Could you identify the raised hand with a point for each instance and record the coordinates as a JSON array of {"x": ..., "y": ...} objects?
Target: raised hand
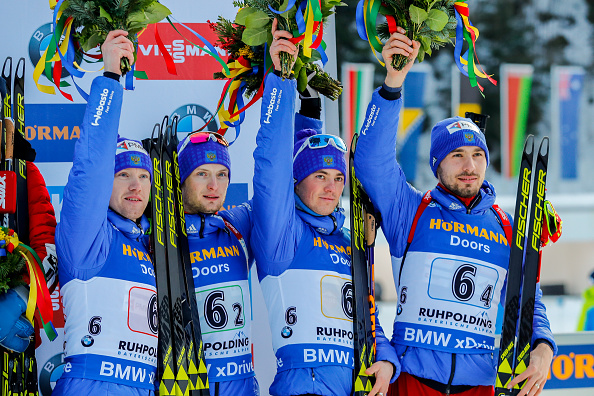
[
  {"x": 116, "y": 46},
  {"x": 399, "y": 44}
]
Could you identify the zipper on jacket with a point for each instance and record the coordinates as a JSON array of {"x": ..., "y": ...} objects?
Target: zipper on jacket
[
  {"x": 334, "y": 221},
  {"x": 313, "y": 375},
  {"x": 451, "y": 374},
  {"x": 403, "y": 353},
  {"x": 202, "y": 222}
]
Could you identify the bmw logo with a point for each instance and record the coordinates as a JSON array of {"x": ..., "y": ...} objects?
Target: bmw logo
[
  {"x": 39, "y": 42},
  {"x": 399, "y": 310},
  {"x": 50, "y": 372},
  {"x": 286, "y": 332},
  {"x": 87, "y": 341},
  {"x": 192, "y": 117}
]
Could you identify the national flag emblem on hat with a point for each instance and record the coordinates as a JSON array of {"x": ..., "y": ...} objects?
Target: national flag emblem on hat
[
  {"x": 459, "y": 125},
  {"x": 328, "y": 160},
  {"x": 211, "y": 156},
  {"x": 135, "y": 159},
  {"x": 469, "y": 137}
]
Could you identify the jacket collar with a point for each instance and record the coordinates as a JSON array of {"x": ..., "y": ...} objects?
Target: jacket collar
[
  {"x": 202, "y": 224},
  {"x": 481, "y": 203},
  {"x": 327, "y": 225},
  {"x": 127, "y": 227}
]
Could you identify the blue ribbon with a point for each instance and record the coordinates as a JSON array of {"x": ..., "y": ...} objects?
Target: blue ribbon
[
  {"x": 459, "y": 43},
  {"x": 360, "y": 19},
  {"x": 130, "y": 79},
  {"x": 289, "y": 6}
]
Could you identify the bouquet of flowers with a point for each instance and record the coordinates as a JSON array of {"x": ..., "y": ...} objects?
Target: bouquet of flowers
[
  {"x": 431, "y": 23},
  {"x": 246, "y": 40},
  {"x": 92, "y": 20},
  {"x": 12, "y": 263},
  {"x": 16, "y": 261}
]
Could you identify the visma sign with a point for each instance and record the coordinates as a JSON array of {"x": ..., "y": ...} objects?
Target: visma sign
[
  {"x": 53, "y": 129},
  {"x": 191, "y": 62}
]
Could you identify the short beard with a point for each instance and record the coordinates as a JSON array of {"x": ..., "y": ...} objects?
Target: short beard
[
  {"x": 191, "y": 205},
  {"x": 466, "y": 193}
]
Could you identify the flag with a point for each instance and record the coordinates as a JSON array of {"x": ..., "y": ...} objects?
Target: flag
[
  {"x": 567, "y": 84},
  {"x": 357, "y": 79},
  {"x": 515, "y": 99}
]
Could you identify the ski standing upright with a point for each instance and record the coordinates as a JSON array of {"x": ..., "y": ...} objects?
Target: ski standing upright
[{"x": 524, "y": 267}]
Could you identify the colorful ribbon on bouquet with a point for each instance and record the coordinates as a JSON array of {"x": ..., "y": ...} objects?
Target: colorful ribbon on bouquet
[
  {"x": 233, "y": 115},
  {"x": 366, "y": 20},
  {"x": 466, "y": 32},
  {"x": 39, "y": 296},
  {"x": 309, "y": 21}
]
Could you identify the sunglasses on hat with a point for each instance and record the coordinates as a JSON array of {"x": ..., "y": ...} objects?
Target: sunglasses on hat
[
  {"x": 321, "y": 141},
  {"x": 203, "y": 137}
]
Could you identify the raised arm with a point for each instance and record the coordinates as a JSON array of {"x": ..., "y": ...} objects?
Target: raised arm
[
  {"x": 82, "y": 237},
  {"x": 275, "y": 229},
  {"x": 375, "y": 157}
]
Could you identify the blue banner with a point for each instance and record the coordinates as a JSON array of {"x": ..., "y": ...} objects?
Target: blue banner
[
  {"x": 570, "y": 88},
  {"x": 53, "y": 129},
  {"x": 573, "y": 367},
  {"x": 411, "y": 122}
]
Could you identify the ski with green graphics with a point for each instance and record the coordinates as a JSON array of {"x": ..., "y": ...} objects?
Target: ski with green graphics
[
  {"x": 362, "y": 296},
  {"x": 524, "y": 267},
  {"x": 181, "y": 368}
]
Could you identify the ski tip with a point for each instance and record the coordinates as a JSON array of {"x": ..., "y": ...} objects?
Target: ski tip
[
  {"x": 529, "y": 145},
  {"x": 543, "y": 151}
]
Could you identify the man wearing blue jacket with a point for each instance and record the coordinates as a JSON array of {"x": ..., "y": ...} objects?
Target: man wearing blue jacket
[
  {"x": 106, "y": 273},
  {"x": 221, "y": 260},
  {"x": 302, "y": 249},
  {"x": 451, "y": 276}
]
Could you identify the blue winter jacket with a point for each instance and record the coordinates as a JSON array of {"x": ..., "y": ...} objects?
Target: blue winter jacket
[
  {"x": 397, "y": 201},
  {"x": 279, "y": 227},
  {"x": 86, "y": 229},
  {"x": 210, "y": 230}
]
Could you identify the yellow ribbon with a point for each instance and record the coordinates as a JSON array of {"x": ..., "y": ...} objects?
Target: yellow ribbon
[
  {"x": 469, "y": 27},
  {"x": 31, "y": 303},
  {"x": 368, "y": 4}
]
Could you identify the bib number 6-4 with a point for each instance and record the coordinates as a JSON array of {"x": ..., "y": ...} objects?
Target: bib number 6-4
[{"x": 463, "y": 286}]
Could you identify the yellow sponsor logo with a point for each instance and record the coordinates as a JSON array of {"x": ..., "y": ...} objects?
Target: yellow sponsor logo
[
  {"x": 222, "y": 251},
  {"x": 453, "y": 226},
  {"x": 319, "y": 242}
]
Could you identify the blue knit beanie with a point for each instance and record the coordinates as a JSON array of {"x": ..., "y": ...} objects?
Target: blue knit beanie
[
  {"x": 311, "y": 160},
  {"x": 192, "y": 155},
  {"x": 451, "y": 133},
  {"x": 131, "y": 154}
]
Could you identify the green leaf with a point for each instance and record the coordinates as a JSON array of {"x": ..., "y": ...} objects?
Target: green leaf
[
  {"x": 421, "y": 55},
  {"x": 243, "y": 14},
  {"x": 302, "y": 79},
  {"x": 436, "y": 20},
  {"x": 425, "y": 42},
  {"x": 254, "y": 36},
  {"x": 417, "y": 15},
  {"x": 156, "y": 12},
  {"x": 93, "y": 41},
  {"x": 257, "y": 19},
  {"x": 104, "y": 14}
]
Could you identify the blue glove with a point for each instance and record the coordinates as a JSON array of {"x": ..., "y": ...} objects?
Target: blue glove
[{"x": 15, "y": 329}]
